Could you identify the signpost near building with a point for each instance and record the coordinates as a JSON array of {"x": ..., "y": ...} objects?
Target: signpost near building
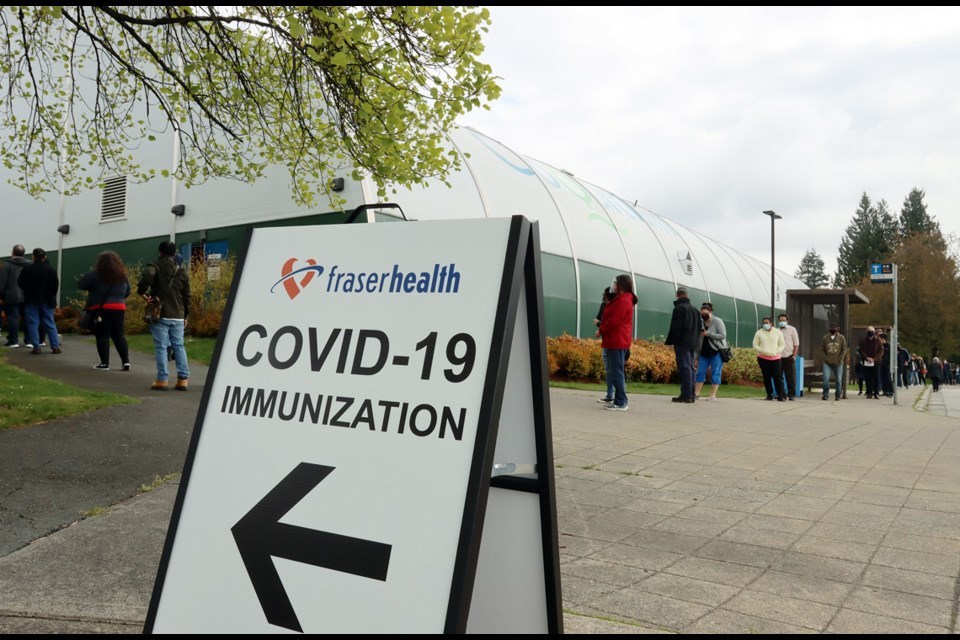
[
  {"x": 373, "y": 449},
  {"x": 887, "y": 272}
]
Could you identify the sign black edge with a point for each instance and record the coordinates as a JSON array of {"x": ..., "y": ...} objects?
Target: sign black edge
[
  {"x": 488, "y": 420},
  {"x": 194, "y": 440}
]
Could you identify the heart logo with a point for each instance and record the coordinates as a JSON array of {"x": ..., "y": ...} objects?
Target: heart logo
[{"x": 289, "y": 276}]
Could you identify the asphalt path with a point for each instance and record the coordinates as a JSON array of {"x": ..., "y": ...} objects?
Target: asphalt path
[{"x": 54, "y": 473}]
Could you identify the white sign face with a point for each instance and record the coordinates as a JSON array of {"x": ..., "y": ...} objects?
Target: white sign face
[{"x": 337, "y": 440}]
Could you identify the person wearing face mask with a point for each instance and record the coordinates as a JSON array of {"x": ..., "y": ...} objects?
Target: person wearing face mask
[
  {"x": 833, "y": 348},
  {"x": 871, "y": 350},
  {"x": 768, "y": 343},
  {"x": 713, "y": 337},
  {"x": 616, "y": 334},
  {"x": 684, "y": 336},
  {"x": 788, "y": 357}
]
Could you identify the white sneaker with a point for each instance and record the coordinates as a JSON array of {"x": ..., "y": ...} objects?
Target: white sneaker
[
  {"x": 28, "y": 346},
  {"x": 613, "y": 407},
  {"x": 43, "y": 343}
]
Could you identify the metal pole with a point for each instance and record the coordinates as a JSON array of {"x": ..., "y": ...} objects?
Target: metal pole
[
  {"x": 773, "y": 269},
  {"x": 896, "y": 330}
]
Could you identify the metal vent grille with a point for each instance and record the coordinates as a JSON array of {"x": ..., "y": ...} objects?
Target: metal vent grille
[{"x": 113, "y": 205}]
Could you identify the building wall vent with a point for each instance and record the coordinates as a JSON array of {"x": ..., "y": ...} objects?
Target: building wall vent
[{"x": 113, "y": 205}]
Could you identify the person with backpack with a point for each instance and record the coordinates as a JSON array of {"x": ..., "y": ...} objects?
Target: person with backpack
[{"x": 166, "y": 282}]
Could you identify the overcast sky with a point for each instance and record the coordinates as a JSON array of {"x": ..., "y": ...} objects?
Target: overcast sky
[{"x": 709, "y": 116}]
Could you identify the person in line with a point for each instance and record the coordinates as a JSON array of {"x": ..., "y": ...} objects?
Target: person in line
[
  {"x": 684, "y": 336},
  {"x": 11, "y": 295},
  {"x": 768, "y": 343},
  {"x": 616, "y": 334},
  {"x": 607, "y": 297},
  {"x": 903, "y": 367},
  {"x": 788, "y": 357},
  {"x": 165, "y": 281},
  {"x": 40, "y": 283},
  {"x": 935, "y": 371},
  {"x": 858, "y": 369},
  {"x": 713, "y": 338},
  {"x": 108, "y": 289},
  {"x": 871, "y": 350},
  {"x": 886, "y": 368},
  {"x": 833, "y": 348}
]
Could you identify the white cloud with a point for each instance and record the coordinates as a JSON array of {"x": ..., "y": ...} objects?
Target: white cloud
[{"x": 711, "y": 115}]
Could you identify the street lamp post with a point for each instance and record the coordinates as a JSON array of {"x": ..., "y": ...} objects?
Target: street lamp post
[{"x": 773, "y": 271}]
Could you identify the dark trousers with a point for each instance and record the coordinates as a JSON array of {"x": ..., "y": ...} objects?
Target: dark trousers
[
  {"x": 685, "y": 371},
  {"x": 772, "y": 377},
  {"x": 789, "y": 367},
  {"x": 12, "y": 309},
  {"x": 872, "y": 377},
  {"x": 110, "y": 328}
]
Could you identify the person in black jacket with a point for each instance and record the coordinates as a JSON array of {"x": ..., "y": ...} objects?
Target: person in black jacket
[
  {"x": 12, "y": 296},
  {"x": 166, "y": 281},
  {"x": 39, "y": 283},
  {"x": 684, "y": 335}
]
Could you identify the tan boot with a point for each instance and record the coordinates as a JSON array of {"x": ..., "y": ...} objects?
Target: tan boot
[
  {"x": 181, "y": 384},
  {"x": 159, "y": 385}
]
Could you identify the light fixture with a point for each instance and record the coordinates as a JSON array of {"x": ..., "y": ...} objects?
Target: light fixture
[{"x": 178, "y": 210}]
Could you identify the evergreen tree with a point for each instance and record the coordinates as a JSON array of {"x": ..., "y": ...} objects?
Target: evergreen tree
[
  {"x": 811, "y": 270},
  {"x": 914, "y": 217},
  {"x": 914, "y": 220},
  {"x": 863, "y": 243},
  {"x": 889, "y": 230}
]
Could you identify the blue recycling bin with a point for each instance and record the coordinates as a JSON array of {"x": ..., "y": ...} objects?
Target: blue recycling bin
[{"x": 798, "y": 392}]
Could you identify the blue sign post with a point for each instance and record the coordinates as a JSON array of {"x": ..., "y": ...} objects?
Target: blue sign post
[{"x": 887, "y": 272}]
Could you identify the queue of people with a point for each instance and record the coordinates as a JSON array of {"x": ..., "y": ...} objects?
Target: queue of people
[{"x": 28, "y": 295}]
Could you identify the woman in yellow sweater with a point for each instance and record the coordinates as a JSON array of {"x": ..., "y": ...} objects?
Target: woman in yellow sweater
[{"x": 768, "y": 343}]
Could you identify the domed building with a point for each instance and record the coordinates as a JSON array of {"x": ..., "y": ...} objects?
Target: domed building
[{"x": 588, "y": 235}]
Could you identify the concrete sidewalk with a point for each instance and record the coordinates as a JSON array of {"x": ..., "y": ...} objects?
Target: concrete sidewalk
[{"x": 735, "y": 516}]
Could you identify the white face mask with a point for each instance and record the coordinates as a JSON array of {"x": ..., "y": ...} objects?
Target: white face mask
[
  {"x": 766, "y": 326},
  {"x": 783, "y": 323}
]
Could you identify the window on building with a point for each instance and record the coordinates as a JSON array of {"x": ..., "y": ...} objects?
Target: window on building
[{"x": 113, "y": 205}]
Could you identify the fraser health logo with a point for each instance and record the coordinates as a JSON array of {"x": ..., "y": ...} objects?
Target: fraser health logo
[{"x": 296, "y": 275}]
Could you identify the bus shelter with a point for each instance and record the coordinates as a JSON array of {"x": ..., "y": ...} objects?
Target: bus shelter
[{"x": 811, "y": 311}]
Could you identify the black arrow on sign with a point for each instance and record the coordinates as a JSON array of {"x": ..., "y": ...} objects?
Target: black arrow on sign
[{"x": 260, "y": 537}]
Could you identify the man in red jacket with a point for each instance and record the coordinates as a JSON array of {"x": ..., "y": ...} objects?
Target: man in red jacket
[{"x": 616, "y": 333}]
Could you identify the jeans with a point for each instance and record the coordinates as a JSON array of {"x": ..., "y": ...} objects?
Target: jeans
[
  {"x": 685, "y": 371},
  {"x": 41, "y": 315},
  {"x": 12, "y": 309},
  {"x": 616, "y": 377},
  {"x": 835, "y": 370},
  {"x": 714, "y": 363},
  {"x": 169, "y": 333},
  {"x": 606, "y": 371}
]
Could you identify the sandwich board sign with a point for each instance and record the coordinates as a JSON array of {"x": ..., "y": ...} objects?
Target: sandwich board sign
[{"x": 373, "y": 449}]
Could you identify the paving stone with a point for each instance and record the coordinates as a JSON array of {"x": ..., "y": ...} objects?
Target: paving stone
[
  {"x": 736, "y": 553},
  {"x": 651, "y": 609},
  {"x": 924, "y": 584},
  {"x": 792, "y": 611},
  {"x": 904, "y": 606},
  {"x": 759, "y": 537},
  {"x": 736, "y": 575},
  {"x": 688, "y": 589},
  {"x": 638, "y": 557},
  {"x": 843, "y": 549},
  {"x": 603, "y": 571},
  {"x": 819, "y": 567},
  {"x": 802, "y": 587},
  {"x": 858, "y": 622},
  {"x": 725, "y": 622},
  {"x": 917, "y": 561}
]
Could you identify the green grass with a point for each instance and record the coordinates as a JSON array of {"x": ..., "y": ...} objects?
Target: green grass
[
  {"x": 648, "y": 388},
  {"x": 198, "y": 349},
  {"x": 27, "y": 399}
]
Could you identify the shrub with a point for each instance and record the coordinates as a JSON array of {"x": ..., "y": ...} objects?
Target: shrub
[
  {"x": 581, "y": 360},
  {"x": 208, "y": 300}
]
